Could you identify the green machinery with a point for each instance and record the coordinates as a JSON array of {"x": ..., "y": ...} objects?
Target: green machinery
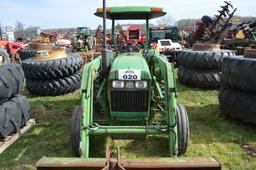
[
  {"x": 122, "y": 95},
  {"x": 83, "y": 39}
]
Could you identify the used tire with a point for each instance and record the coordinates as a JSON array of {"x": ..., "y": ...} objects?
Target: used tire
[
  {"x": 75, "y": 130},
  {"x": 51, "y": 69},
  {"x": 239, "y": 72},
  {"x": 11, "y": 80},
  {"x": 200, "y": 78},
  {"x": 26, "y": 54},
  {"x": 182, "y": 128},
  {"x": 203, "y": 59},
  {"x": 54, "y": 87},
  {"x": 4, "y": 57},
  {"x": 238, "y": 104},
  {"x": 24, "y": 107},
  {"x": 13, "y": 115}
]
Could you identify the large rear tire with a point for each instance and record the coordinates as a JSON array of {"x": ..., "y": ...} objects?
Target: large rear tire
[
  {"x": 239, "y": 72},
  {"x": 51, "y": 69},
  {"x": 209, "y": 79},
  {"x": 54, "y": 87},
  {"x": 203, "y": 59},
  {"x": 76, "y": 130},
  {"x": 26, "y": 54},
  {"x": 182, "y": 128},
  {"x": 11, "y": 80},
  {"x": 238, "y": 104},
  {"x": 14, "y": 114}
]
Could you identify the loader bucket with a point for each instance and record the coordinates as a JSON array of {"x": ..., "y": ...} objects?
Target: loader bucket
[{"x": 108, "y": 163}]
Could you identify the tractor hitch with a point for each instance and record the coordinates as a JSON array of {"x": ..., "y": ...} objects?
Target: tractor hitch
[{"x": 108, "y": 163}]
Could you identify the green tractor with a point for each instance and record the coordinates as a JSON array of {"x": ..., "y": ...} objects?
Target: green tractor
[
  {"x": 82, "y": 41},
  {"x": 124, "y": 95}
]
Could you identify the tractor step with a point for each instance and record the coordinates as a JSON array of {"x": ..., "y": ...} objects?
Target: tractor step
[{"x": 108, "y": 163}]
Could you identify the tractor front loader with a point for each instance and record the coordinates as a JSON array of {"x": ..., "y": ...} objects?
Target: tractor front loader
[{"x": 122, "y": 95}]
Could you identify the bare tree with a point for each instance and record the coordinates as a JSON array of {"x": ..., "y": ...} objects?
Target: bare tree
[{"x": 165, "y": 21}]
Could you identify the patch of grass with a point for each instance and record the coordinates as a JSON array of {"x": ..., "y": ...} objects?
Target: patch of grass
[{"x": 211, "y": 134}]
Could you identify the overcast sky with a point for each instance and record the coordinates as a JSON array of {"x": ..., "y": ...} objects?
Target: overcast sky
[{"x": 73, "y": 13}]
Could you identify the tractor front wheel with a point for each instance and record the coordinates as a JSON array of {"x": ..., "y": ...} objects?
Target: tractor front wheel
[
  {"x": 182, "y": 128},
  {"x": 75, "y": 130}
]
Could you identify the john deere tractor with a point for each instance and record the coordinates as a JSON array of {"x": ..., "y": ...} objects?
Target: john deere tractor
[{"x": 128, "y": 94}]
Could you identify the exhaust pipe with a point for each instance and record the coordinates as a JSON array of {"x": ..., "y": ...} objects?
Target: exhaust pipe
[{"x": 105, "y": 52}]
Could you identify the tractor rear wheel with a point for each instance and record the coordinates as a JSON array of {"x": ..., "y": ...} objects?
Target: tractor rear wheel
[
  {"x": 75, "y": 130},
  {"x": 182, "y": 128}
]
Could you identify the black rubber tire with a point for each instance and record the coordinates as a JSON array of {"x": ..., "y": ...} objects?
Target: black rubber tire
[
  {"x": 207, "y": 19},
  {"x": 54, "y": 87},
  {"x": 6, "y": 57},
  {"x": 238, "y": 104},
  {"x": 252, "y": 25},
  {"x": 209, "y": 79},
  {"x": 24, "y": 107},
  {"x": 26, "y": 54},
  {"x": 239, "y": 72},
  {"x": 182, "y": 128},
  {"x": 11, "y": 80},
  {"x": 75, "y": 130},
  {"x": 203, "y": 59},
  {"x": 51, "y": 69},
  {"x": 13, "y": 115}
]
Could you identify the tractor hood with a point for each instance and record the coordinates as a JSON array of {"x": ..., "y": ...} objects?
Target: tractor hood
[{"x": 130, "y": 66}]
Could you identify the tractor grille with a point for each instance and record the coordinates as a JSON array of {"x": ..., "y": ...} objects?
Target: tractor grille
[{"x": 129, "y": 101}]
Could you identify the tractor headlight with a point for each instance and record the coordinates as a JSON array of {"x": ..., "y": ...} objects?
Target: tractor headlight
[
  {"x": 118, "y": 84},
  {"x": 141, "y": 84},
  {"x": 129, "y": 84}
]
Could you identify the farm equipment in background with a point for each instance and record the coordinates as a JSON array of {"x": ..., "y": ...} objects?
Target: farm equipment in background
[
  {"x": 133, "y": 35},
  {"x": 127, "y": 94},
  {"x": 214, "y": 30},
  {"x": 9, "y": 51},
  {"x": 241, "y": 37},
  {"x": 165, "y": 39},
  {"x": 83, "y": 40}
]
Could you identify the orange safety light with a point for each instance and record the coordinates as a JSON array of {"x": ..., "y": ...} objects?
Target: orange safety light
[
  {"x": 156, "y": 10},
  {"x": 154, "y": 45},
  {"x": 100, "y": 10}
]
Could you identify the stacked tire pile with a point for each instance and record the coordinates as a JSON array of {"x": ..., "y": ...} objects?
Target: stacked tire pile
[
  {"x": 53, "y": 77},
  {"x": 201, "y": 68},
  {"x": 14, "y": 107},
  {"x": 237, "y": 96}
]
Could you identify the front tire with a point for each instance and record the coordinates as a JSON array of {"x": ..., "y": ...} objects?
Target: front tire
[
  {"x": 75, "y": 130},
  {"x": 182, "y": 128}
]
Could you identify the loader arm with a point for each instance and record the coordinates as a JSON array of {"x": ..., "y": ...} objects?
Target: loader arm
[
  {"x": 165, "y": 71},
  {"x": 90, "y": 73}
]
